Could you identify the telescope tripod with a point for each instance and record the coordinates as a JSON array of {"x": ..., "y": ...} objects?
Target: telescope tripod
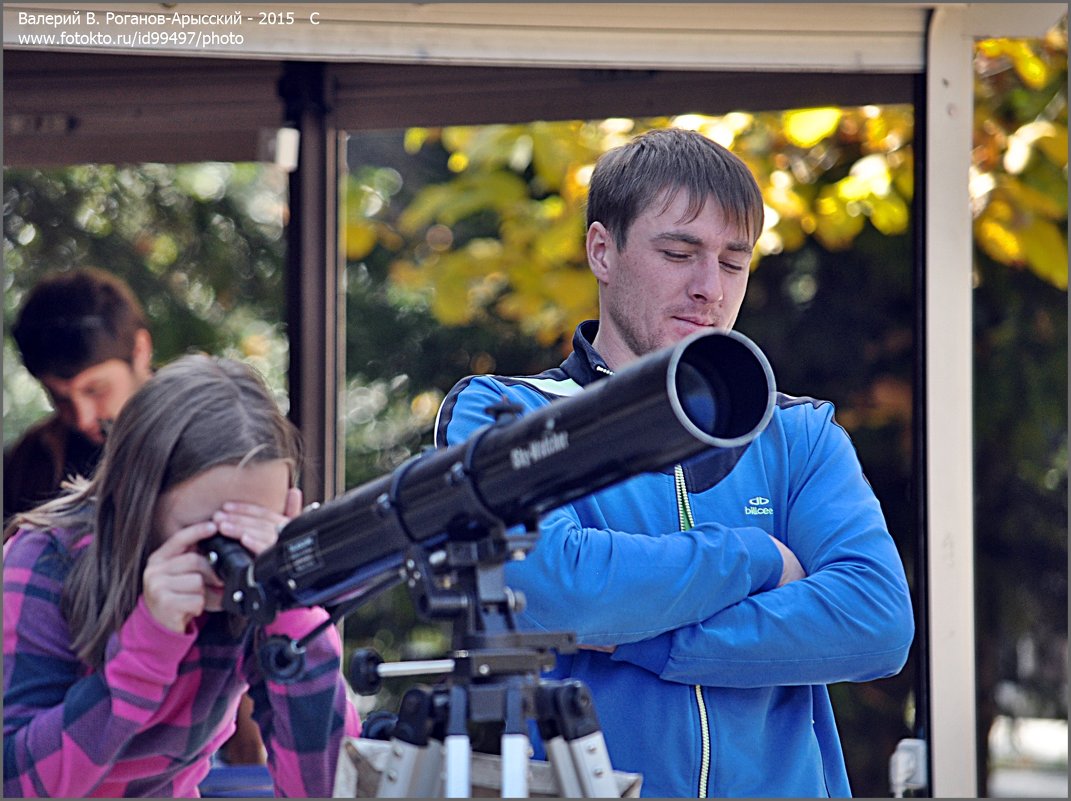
[
  {"x": 494, "y": 677},
  {"x": 430, "y": 753}
]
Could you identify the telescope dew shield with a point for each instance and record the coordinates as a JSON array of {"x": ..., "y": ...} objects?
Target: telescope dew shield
[{"x": 712, "y": 390}]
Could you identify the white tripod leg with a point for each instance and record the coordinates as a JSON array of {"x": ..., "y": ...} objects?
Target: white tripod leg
[
  {"x": 458, "y": 764},
  {"x": 515, "y": 749},
  {"x": 411, "y": 771},
  {"x": 515, "y": 745},
  {"x": 561, "y": 761},
  {"x": 457, "y": 746},
  {"x": 592, "y": 764}
]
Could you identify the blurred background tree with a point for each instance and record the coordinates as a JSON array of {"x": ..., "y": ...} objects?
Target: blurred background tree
[
  {"x": 465, "y": 255},
  {"x": 201, "y": 245},
  {"x": 1019, "y": 201}
]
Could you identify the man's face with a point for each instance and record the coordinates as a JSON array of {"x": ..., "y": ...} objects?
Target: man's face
[
  {"x": 96, "y": 394},
  {"x": 673, "y": 278}
]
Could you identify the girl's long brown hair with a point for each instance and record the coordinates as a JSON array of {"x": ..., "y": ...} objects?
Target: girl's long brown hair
[{"x": 196, "y": 413}]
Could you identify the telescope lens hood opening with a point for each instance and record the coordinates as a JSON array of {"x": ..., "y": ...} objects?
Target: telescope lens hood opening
[{"x": 721, "y": 388}]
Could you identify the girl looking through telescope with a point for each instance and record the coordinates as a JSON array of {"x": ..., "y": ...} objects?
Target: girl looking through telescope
[{"x": 121, "y": 674}]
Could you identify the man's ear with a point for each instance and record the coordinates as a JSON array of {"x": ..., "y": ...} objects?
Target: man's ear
[
  {"x": 600, "y": 247},
  {"x": 141, "y": 359}
]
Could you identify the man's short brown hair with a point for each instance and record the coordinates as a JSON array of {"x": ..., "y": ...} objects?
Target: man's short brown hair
[
  {"x": 75, "y": 319},
  {"x": 629, "y": 178}
]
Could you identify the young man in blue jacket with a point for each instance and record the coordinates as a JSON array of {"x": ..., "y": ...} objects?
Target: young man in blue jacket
[{"x": 712, "y": 610}]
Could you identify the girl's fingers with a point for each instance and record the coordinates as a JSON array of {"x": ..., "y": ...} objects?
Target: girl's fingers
[
  {"x": 255, "y": 535},
  {"x": 178, "y": 580},
  {"x": 183, "y": 539},
  {"x": 230, "y": 522},
  {"x": 293, "y": 503},
  {"x": 175, "y": 599},
  {"x": 176, "y": 610},
  {"x": 183, "y": 584},
  {"x": 253, "y": 511},
  {"x": 188, "y": 564},
  {"x": 255, "y": 527}
]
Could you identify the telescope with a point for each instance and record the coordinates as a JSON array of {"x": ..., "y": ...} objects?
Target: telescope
[
  {"x": 710, "y": 391},
  {"x": 446, "y": 522}
]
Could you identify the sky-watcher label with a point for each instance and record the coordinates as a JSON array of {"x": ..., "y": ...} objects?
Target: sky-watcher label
[{"x": 549, "y": 444}]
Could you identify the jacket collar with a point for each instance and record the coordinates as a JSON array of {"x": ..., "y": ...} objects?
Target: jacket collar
[{"x": 584, "y": 364}]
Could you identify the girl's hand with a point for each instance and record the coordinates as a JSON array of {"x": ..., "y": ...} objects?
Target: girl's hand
[
  {"x": 255, "y": 527},
  {"x": 179, "y": 584},
  {"x": 177, "y": 578}
]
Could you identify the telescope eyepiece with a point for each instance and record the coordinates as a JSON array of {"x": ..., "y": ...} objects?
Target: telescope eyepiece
[{"x": 226, "y": 556}]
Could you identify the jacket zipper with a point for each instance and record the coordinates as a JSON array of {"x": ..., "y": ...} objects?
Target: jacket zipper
[{"x": 687, "y": 521}]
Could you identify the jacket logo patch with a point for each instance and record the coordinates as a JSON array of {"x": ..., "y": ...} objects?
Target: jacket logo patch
[{"x": 758, "y": 506}]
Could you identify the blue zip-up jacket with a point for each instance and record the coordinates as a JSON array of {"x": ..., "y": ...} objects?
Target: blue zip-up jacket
[{"x": 717, "y": 684}]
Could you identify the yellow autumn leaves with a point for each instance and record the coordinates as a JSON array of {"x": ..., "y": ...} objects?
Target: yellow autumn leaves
[{"x": 503, "y": 234}]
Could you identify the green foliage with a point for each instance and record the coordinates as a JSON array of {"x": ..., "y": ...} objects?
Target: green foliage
[
  {"x": 1019, "y": 175},
  {"x": 502, "y": 236}
]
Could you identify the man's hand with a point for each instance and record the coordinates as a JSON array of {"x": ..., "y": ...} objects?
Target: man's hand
[
  {"x": 792, "y": 569},
  {"x": 606, "y": 649}
]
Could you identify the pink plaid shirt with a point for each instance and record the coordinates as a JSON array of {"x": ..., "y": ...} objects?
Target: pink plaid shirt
[{"x": 148, "y": 722}]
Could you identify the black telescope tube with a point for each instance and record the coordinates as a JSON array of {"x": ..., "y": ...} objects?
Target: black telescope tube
[{"x": 712, "y": 390}]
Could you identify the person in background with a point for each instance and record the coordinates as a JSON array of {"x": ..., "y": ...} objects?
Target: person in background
[
  {"x": 122, "y": 675},
  {"x": 82, "y": 334},
  {"x": 712, "y": 610}
]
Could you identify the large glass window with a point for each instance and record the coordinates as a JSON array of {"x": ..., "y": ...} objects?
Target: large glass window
[
  {"x": 464, "y": 252},
  {"x": 1019, "y": 206}
]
